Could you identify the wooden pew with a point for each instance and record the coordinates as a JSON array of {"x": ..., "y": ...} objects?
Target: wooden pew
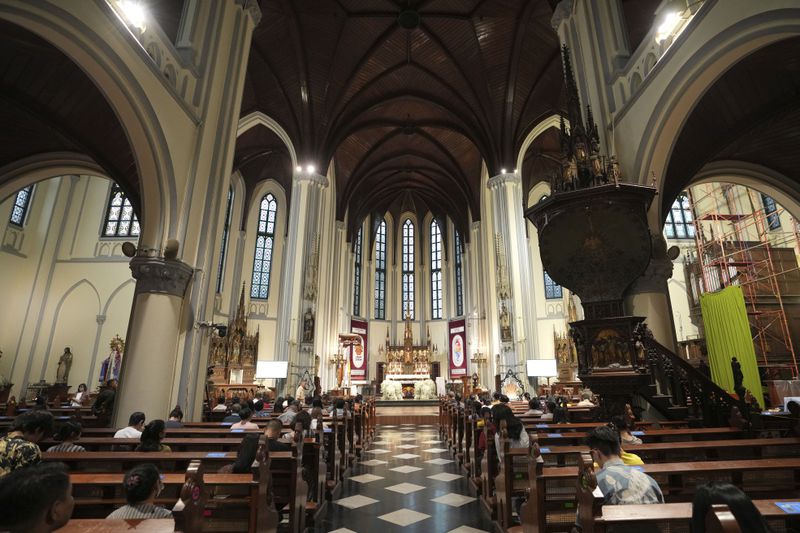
[
  {"x": 489, "y": 468},
  {"x": 655, "y": 435},
  {"x": 661, "y": 452},
  {"x": 671, "y": 476}
]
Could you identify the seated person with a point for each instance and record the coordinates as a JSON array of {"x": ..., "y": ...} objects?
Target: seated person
[
  {"x": 259, "y": 411},
  {"x": 516, "y": 431},
  {"x": 743, "y": 509},
  {"x": 289, "y": 415},
  {"x": 245, "y": 456},
  {"x": 142, "y": 485},
  {"x": 586, "y": 400},
  {"x": 620, "y": 423},
  {"x": 37, "y": 499},
  {"x": 620, "y": 484},
  {"x": 134, "y": 427},
  {"x": 151, "y": 438},
  {"x": 234, "y": 416},
  {"x": 19, "y": 448},
  {"x": 316, "y": 414},
  {"x": 81, "y": 396},
  {"x": 339, "y": 407},
  {"x": 560, "y": 413},
  {"x": 304, "y": 418},
  {"x": 175, "y": 418},
  {"x": 104, "y": 403},
  {"x": 551, "y": 408},
  {"x": 244, "y": 420},
  {"x": 275, "y": 442},
  {"x": 277, "y": 407},
  {"x": 68, "y": 433},
  {"x": 495, "y": 398},
  {"x": 220, "y": 405},
  {"x": 534, "y": 408}
]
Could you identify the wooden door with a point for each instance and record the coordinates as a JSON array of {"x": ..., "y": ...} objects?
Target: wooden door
[
  {"x": 435, "y": 370},
  {"x": 380, "y": 370}
]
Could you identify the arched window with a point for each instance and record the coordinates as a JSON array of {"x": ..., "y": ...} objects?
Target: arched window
[
  {"x": 120, "y": 219},
  {"x": 459, "y": 278},
  {"x": 679, "y": 223},
  {"x": 552, "y": 290},
  {"x": 408, "y": 269},
  {"x": 436, "y": 271},
  {"x": 380, "y": 271},
  {"x": 226, "y": 228},
  {"x": 22, "y": 201},
  {"x": 357, "y": 276},
  {"x": 265, "y": 244}
]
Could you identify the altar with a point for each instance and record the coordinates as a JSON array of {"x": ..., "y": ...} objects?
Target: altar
[
  {"x": 407, "y": 364},
  {"x": 407, "y": 382}
]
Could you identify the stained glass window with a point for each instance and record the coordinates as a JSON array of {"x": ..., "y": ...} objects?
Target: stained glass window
[
  {"x": 120, "y": 218},
  {"x": 679, "y": 223},
  {"x": 22, "y": 202},
  {"x": 436, "y": 271},
  {"x": 265, "y": 246},
  {"x": 380, "y": 271},
  {"x": 459, "y": 278},
  {"x": 408, "y": 269},
  {"x": 771, "y": 210},
  {"x": 552, "y": 290},
  {"x": 224, "y": 246},
  {"x": 357, "y": 276}
]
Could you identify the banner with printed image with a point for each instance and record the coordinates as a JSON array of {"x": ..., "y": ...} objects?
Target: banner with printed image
[
  {"x": 358, "y": 354},
  {"x": 458, "y": 348}
]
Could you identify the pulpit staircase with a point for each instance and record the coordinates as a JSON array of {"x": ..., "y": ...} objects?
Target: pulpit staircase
[{"x": 680, "y": 392}]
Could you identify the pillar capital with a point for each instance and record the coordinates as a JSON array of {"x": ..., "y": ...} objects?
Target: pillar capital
[
  {"x": 160, "y": 276},
  {"x": 561, "y": 13},
  {"x": 508, "y": 178},
  {"x": 251, "y": 8},
  {"x": 312, "y": 178}
]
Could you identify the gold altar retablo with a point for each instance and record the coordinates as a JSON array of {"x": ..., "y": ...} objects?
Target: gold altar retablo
[{"x": 408, "y": 358}]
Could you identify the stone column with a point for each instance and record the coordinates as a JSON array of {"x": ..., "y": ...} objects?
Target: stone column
[
  {"x": 509, "y": 223},
  {"x": 649, "y": 296},
  {"x": 150, "y": 364},
  {"x": 305, "y": 219}
]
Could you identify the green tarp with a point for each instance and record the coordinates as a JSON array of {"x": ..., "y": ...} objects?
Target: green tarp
[{"x": 727, "y": 336}]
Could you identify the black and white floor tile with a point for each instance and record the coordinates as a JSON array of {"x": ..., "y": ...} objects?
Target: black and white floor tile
[{"x": 405, "y": 482}]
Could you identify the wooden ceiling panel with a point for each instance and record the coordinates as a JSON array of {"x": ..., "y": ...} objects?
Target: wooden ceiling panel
[
  {"x": 751, "y": 113},
  {"x": 47, "y": 103},
  {"x": 469, "y": 76}
]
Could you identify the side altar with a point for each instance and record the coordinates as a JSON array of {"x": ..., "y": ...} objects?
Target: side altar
[
  {"x": 408, "y": 364},
  {"x": 233, "y": 357}
]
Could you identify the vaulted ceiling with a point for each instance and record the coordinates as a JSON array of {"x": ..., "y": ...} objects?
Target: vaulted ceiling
[
  {"x": 750, "y": 114},
  {"x": 407, "y": 98},
  {"x": 48, "y": 104}
]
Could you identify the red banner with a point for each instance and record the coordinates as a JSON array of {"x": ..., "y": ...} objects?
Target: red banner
[
  {"x": 458, "y": 349},
  {"x": 358, "y": 354}
]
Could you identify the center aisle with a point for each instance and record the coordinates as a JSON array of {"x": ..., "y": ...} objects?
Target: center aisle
[{"x": 406, "y": 481}]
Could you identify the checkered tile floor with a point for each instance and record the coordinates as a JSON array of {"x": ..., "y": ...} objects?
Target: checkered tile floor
[{"x": 405, "y": 483}]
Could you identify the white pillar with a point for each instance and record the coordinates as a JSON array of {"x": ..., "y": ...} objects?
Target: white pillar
[
  {"x": 151, "y": 365},
  {"x": 509, "y": 222},
  {"x": 305, "y": 217}
]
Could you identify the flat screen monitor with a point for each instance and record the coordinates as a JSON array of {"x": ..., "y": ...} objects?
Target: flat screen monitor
[
  {"x": 272, "y": 369},
  {"x": 787, "y": 399},
  {"x": 542, "y": 368}
]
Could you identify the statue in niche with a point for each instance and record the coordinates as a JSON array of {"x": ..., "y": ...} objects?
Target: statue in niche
[
  {"x": 64, "y": 364},
  {"x": 308, "y": 326},
  {"x": 505, "y": 325}
]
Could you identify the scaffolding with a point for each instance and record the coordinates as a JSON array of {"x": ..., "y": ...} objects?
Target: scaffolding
[{"x": 739, "y": 243}]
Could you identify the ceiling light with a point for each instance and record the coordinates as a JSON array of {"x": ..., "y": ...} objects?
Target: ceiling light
[
  {"x": 667, "y": 28},
  {"x": 298, "y": 168},
  {"x": 311, "y": 169},
  {"x": 502, "y": 171},
  {"x": 134, "y": 13},
  {"x": 515, "y": 171}
]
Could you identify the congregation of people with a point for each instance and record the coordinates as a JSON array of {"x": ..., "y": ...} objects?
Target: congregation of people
[
  {"x": 23, "y": 471},
  {"x": 618, "y": 473}
]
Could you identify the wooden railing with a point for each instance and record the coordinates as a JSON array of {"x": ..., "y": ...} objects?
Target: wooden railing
[{"x": 688, "y": 387}]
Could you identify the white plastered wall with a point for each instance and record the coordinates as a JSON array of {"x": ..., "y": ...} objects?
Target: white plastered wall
[{"x": 63, "y": 284}]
